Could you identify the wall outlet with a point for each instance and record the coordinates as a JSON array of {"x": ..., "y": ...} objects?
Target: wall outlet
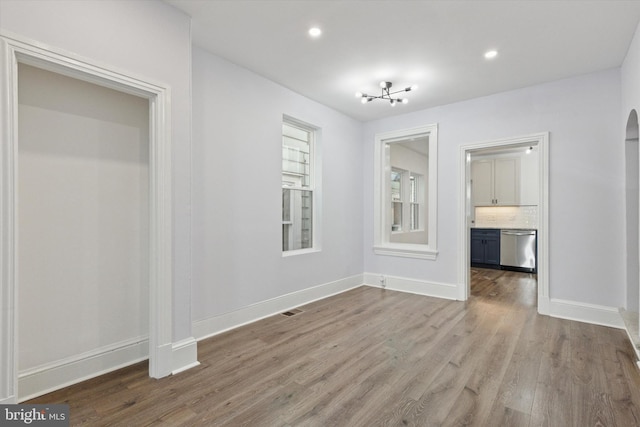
[{"x": 383, "y": 281}]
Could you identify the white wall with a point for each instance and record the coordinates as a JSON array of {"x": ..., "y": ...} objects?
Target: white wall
[
  {"x": 630, "y": 76},
  {"x": 582, "y": 115},
  {"x": 146, "y": 38},
  {"x": 83, "y": 218},
  {"x": 237, "y": 206}
]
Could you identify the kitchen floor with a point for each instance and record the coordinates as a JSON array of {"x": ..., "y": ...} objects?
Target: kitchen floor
[{"x": 502, "y": 286}]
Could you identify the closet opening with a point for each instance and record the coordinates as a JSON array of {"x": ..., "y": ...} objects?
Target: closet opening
[
  {"x": 83, "y": 229},
  {"x": 153, "y": 219}
]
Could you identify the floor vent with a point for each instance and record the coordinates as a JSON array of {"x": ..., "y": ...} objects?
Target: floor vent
[{"x": 291, "y": 312}]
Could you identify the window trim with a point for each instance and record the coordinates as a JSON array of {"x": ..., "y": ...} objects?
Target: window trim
[
  {"x": 382, "y": 215},
  {"x": 314, "y": 187}
]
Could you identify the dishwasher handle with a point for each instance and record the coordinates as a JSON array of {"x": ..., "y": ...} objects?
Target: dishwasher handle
[{"x": 518, "y": 233}]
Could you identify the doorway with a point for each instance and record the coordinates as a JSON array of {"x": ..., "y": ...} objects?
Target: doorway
[
  {"x": 83, "y": 168},
  {"x": 16, "y": 50},
  {"x": 467, "y": 213}
]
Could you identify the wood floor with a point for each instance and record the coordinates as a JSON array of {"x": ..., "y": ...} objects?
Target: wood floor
[{"x": 373, "y": 357}]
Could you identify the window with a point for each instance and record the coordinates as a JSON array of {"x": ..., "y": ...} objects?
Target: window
[
  {"x": 405, "y": 195},
  {"x": 298, "y": 192},
  {"x": 406, "y": 204}
]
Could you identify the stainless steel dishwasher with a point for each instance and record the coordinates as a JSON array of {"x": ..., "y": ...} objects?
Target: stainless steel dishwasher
[{"x": 518, "y": 249}]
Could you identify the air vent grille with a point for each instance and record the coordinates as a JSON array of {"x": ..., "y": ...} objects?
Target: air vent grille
[{"x": 291, "y": 312}]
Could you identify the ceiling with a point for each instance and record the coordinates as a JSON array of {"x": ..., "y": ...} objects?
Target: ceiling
[{"x": 437, "y": 45}]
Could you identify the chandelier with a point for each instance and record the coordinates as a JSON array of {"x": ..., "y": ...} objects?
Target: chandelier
[{"x": 386, "y": 94}]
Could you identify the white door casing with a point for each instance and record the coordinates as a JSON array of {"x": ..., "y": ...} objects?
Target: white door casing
[
  {"x": 14, "y": 50},
  {"x": 541, "y": 140}
]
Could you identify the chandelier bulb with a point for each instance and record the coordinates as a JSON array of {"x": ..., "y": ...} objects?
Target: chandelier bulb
[
  {"x": 393, "y": 102},
  {"x": 405, "y": 100},
  {"x": 359, "y": 95},
  {"x": 364, "y": 100}
]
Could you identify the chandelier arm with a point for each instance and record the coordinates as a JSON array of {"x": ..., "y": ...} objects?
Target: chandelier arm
[{"x": 398, "y": 91}]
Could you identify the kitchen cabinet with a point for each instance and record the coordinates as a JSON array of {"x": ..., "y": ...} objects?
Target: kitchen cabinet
[
  {"x": 485, "y": 247},
  {"x": 495, "y": 182}
]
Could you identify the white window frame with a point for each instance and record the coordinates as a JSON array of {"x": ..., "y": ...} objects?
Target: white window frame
[
  {"x": 418, "y": 182},
  {"x": 314, "y": 185},
  {"x": 382, "y": 195},
  {"x": 401, "y": 201}
]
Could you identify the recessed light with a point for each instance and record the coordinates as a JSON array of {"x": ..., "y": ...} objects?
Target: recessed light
[
  {"x": 315, "y": 32},
  {"x": 490, "y": 54}
]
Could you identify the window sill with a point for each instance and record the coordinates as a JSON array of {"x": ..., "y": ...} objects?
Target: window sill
[
  {"x": 406, "y": 251},
  {"x": 420, "y": 230},
  {"x": 299, "y": 252}
]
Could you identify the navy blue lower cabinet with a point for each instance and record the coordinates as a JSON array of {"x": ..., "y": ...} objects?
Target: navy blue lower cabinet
[
  {"x": 485, "y": 247},
  {"x": 477, "y": 248}
]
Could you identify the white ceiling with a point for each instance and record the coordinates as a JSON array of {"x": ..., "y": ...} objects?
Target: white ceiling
[{"x": 438, "y": 45}]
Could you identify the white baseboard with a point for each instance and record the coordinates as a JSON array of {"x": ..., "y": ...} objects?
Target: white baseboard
[
  {"x": 184, "y": 355},
  {"x": 62, "y": 373},
  {"x": 8, "y": 400},
  {"x": 544, "y": 306},
  {"x": 413, "y": 286},
  {"x": 635, "y": 348},
  {"x": 206, "y": 328},
  {"x": 584, "y": 312}
]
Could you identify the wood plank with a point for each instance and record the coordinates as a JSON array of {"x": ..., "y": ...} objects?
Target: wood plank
[
  {"x": 552, "y": 403},
  {"x": 591, "y": 402},
  {"x": 618, "y": 359},
  {"x": 517, "y": 390},
  {"x": 475, "y": 401}
]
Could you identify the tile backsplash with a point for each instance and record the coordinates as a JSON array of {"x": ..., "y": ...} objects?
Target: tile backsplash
[{"x": 506, "y": 217}]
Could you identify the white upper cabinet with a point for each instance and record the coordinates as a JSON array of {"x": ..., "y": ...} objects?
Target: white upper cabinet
[
  {"x": 495, "y": 182},
  {"x": 507, "y": 181},
  {"x": 482, "y": 182}
]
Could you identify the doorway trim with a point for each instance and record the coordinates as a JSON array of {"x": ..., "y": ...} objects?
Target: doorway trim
[
  {"x": 464, "y": 209},
  {"x": 14, "y": 50},
  {"x": 629, "y": 312}
]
